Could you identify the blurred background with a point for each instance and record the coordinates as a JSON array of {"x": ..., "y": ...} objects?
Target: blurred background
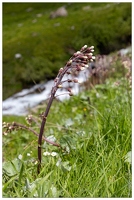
[{"x": 39, "y": 38}]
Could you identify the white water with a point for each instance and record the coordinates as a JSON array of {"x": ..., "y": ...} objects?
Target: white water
[{"x": 21, "y": 102}]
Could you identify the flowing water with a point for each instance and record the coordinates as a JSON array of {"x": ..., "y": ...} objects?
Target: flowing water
[{"x": 21, "y": 102}]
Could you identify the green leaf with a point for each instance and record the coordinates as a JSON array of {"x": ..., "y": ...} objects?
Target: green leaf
[
  {"x": 38, "y": 185},
  {"x": 12, "y": 167},
  {"x": 21, "y": 172}
]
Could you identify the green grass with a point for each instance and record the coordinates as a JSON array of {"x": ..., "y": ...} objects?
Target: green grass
[
  {"x": 45, "y": 47},
  {"x": 97, "y": 136},
  {"x": 95, "y": 126}
]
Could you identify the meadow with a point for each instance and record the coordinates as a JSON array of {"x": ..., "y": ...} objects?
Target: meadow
[{"x": 93, "y": 130}]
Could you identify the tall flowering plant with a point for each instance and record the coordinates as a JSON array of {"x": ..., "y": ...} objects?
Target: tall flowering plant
[{"x": 78, "y": 62}]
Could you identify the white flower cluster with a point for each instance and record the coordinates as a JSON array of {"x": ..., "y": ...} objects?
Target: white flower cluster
[{"x": 53, "y": 154}]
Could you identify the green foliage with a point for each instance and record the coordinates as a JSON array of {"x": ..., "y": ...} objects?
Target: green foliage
[
  {"x": 46, "y": 44},
  {"x": 97, "y": 137},
  {"x": 102, "y": 28}
]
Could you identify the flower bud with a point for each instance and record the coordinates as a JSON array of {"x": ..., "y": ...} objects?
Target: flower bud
[
  {"x": 90, "y": 54},
  {"x": 89, "y": 49},
  {"x": 86, "y": 66},
  {"x": 13, "y": 123},
  {"x": 5, "y": 133},
  {"x": 78, "y": 52},
  {"x": 69, "y": 62},
  {"x": 92, "y": 47},
  {"x": 60, "y": 70},
  {"x": 10, "y": 127},
  {"x": 82, "y": 58},
  {"x": 84, "y": 47},
  {"x": 85, "y": 57},
  {"x": 4, "y": 126},
  {"x": 59, "y": 86},
  {"x": 93, "y": 57},
  {"x": 82, "y": 68}
]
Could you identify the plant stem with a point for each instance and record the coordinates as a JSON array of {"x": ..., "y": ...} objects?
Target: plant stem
[
  {"x": 15, "y": 124},
  {"x": 45, "y": 114},
  {"x": 42, "y": 129}
]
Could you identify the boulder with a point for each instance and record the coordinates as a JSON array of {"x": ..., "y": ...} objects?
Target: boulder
[{"x": 60, "y": 12}]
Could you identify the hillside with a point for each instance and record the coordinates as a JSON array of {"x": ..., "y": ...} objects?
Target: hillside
[{"x": 35, "y": 46}]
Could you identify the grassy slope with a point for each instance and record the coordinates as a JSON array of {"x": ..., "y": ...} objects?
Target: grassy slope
[
  {"x": 45, "y": 47},
  {"x": 98, "y": 136}
]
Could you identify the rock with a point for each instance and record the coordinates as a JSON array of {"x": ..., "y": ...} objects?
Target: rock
[
  {"x": 86, "y": 8},
  {"x": 60, "y": 12},
  {"x": 17, "y": 55},
  {"x": 29, "y": 9},
  {"x": 34, "y": 20},
  {"x": 57, "y": 24},
  {"x": 39, "y": 15}
]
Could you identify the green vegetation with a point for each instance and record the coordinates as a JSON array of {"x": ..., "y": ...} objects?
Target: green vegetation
[
  {"x": 97, "y": 136},
  {"x": 94, "y": 127},
  {"x": 45, "y": 44}
]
